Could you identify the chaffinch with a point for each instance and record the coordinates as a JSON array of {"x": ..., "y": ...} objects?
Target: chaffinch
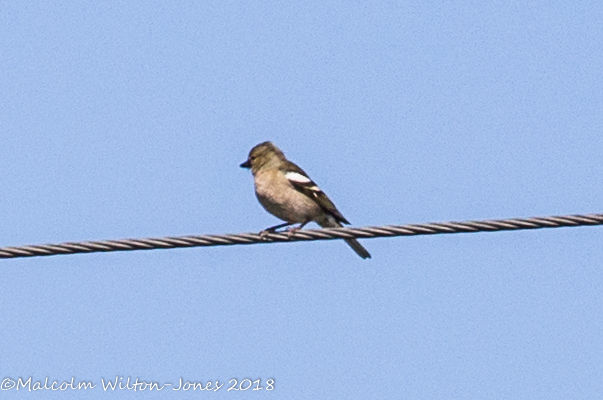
[{"x": 287, "y": 192}]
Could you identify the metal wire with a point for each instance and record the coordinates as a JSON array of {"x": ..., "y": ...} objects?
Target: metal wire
[{"x": 302, "y": 235}]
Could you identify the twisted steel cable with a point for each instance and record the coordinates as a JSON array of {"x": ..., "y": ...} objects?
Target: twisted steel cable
[{"x": 302, "y": 235}]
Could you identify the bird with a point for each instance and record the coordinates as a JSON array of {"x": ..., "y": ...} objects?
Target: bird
[{"x": 288, "y": 193}]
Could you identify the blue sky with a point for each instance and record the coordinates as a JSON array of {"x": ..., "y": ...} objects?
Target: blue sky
[{"x": 130, "y": 120}]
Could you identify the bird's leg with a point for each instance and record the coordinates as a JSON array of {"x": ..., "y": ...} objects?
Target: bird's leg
[
  {"x": 293, "y": 230},
  {"x": 273, "y": 229}
]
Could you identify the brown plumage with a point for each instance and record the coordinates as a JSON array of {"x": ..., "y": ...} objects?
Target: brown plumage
[{"x": 286, "y": 191}]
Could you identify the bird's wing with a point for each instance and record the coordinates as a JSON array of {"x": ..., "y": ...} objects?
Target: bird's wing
[{"x": 302, "y": 182}]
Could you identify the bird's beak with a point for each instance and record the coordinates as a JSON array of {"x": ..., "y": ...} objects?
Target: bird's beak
[{"x": 246, "y": 164}]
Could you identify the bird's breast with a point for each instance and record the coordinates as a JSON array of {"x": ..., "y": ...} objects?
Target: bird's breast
[{"x": 281, "y": 199}]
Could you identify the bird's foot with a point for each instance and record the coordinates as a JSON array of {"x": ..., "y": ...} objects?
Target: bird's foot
[{"x": 291, "y": 231}]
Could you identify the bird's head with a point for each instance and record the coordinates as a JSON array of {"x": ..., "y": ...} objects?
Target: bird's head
[{"x": 263, "y": 155}]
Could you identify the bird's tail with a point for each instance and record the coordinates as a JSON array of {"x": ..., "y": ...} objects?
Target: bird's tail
[
  {"x": 353, "y": 243},
  {"x": 357, "y": 247}
]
